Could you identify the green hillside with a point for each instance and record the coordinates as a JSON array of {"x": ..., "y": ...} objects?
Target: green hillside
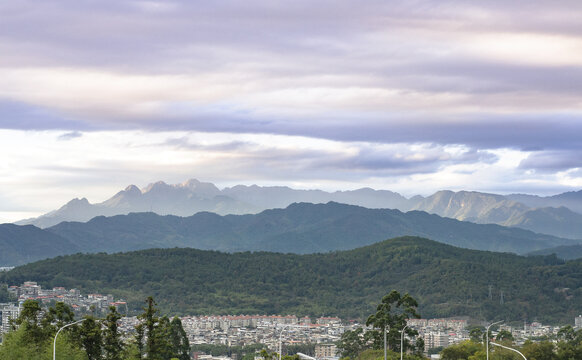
[
  {"x": 301, "y": 228},
  {"x": 446, "y": 280},
  {"x": 22, "y": 244},
  {"x": 562, "y": 252}
]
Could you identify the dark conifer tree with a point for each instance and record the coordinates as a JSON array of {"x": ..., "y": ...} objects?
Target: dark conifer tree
[{"x": 112, "y": 343}]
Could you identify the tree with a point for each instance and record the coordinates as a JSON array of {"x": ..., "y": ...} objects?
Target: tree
[
  {"x": 268, "y": 356},
  {"x": 32, "y": 336},
  {"x": 138, "y": 344},
  {"x": 91, "y": 338},
  {"x": 391, "y": 315},
  {"x": 112, "y": 343},
  {"x": 158, "y": 338},
  {"x": 461, "y": 351},
  {"x": 163, "y": 334},
  {"x": 504, "y": 335},
  {"x": 58, "y": 316},
  {"x": 33, "y": 333},
  {"x": 476, "y": 334},
  {"x": 352, "y": 343},
  {"x": 570, "y": 344},
  {"x": 180, "y": 342},
  {"x": 146, "y": 330},
  {"x": 543, "y": 350},
  {"x": 150, "y": 325}
]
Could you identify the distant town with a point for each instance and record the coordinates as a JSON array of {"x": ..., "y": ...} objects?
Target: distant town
[{"x": 242, "y": 330}]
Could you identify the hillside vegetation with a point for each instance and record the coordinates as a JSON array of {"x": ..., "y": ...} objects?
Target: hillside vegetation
[
  {"x": 300, "y": 228},
  {"x": 445, "y": 280}
]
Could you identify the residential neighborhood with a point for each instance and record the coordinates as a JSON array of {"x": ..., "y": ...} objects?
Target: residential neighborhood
[{"x": 274, "y": 331}]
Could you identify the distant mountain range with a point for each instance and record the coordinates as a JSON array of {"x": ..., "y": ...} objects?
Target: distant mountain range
[
  {"x": 564, "y": 252},
  {"x": 300, "y": 228},
  {"x": 559, "y": 215},
  {"x": 446, "y": 281},
  {"x": 24, "y": 244}
]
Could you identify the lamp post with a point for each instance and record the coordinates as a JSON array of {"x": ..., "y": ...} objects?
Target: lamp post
[
  {"x": 402, "y": 341},
  {"x": 306, "y": 357},
  {"x": 385, "y": 355},
  {"x": 508, "y": 348},
  {"x": 487, "y": 335},
  {"x": 57, "y": 334}
]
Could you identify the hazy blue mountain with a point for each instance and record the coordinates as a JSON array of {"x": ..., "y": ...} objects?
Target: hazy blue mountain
[
  {"x": 572, "y": 200},
  {"x": 194, "y": 196},
  {"x": 281, "y": 196},
  {"x": 523, "y": 211},
  {"x": 24, "y": 244},
  {"x": 566, "y": 252},
  {"x": 299, "y": 228},
  {"x": 446, "y": 281},
  {"x": 470, "y": 206},
  {"x": 182, "y": 199},
  {"x": 485, "y": 208},
  {"x": 562, "y": 221}
]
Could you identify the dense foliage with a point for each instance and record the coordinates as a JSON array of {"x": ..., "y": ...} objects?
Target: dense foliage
[
  {"x": 391, "y": 317},
  {"x": 91, "y": 339},
  {"x": 562, "y": 252},
  {"x": 567, "y": 346},
  {"x": 388, "y": 325},
  {"x": 445, "y": 280},
  {"x": 300, "y": 228}
]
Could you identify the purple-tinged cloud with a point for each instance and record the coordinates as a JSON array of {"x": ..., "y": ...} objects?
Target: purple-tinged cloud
[
  {"x": 552, "y": 161},
  {"x": 70, "y": 135}
]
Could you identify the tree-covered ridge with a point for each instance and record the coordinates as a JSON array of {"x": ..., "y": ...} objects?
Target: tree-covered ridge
[
  {"x": 300, "y": 228},
  {"x": 445, "y": 280}
]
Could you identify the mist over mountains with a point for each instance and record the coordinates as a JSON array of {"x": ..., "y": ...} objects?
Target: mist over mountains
[{"x": 559, "y": 215}]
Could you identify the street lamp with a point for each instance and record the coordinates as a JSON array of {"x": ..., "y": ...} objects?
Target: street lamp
[
  {"x": 402, "y": 341},
  {"x": 487, "y": 335},
  {"x": 306, "y": 357},
  {"x": 384, "y": 343},
  {"x": 57, "y": 334},
  {"x": 508, "y": 348}
]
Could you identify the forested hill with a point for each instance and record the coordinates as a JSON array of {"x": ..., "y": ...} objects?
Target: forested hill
[
  {"x": 300, "y": 228},
  {"x": 445, "y": 280},
  {"x": 22, "y": 244}
]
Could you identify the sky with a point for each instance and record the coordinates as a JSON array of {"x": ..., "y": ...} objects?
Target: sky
[{"x": 410, "y": 96}]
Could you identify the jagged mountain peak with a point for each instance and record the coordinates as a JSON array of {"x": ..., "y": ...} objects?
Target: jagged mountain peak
[
  {"x": 132, "y": 189},
  {"x": 193, "y": 195},
  {"x": 191, "y": 183},
  {"x": 201, "y": 188},
  {"x": 76, "y": 202},
  {"x": 158, "y": 185}
]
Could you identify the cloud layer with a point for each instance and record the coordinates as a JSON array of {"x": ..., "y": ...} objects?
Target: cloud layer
[{"x": 405, "y": 91}]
